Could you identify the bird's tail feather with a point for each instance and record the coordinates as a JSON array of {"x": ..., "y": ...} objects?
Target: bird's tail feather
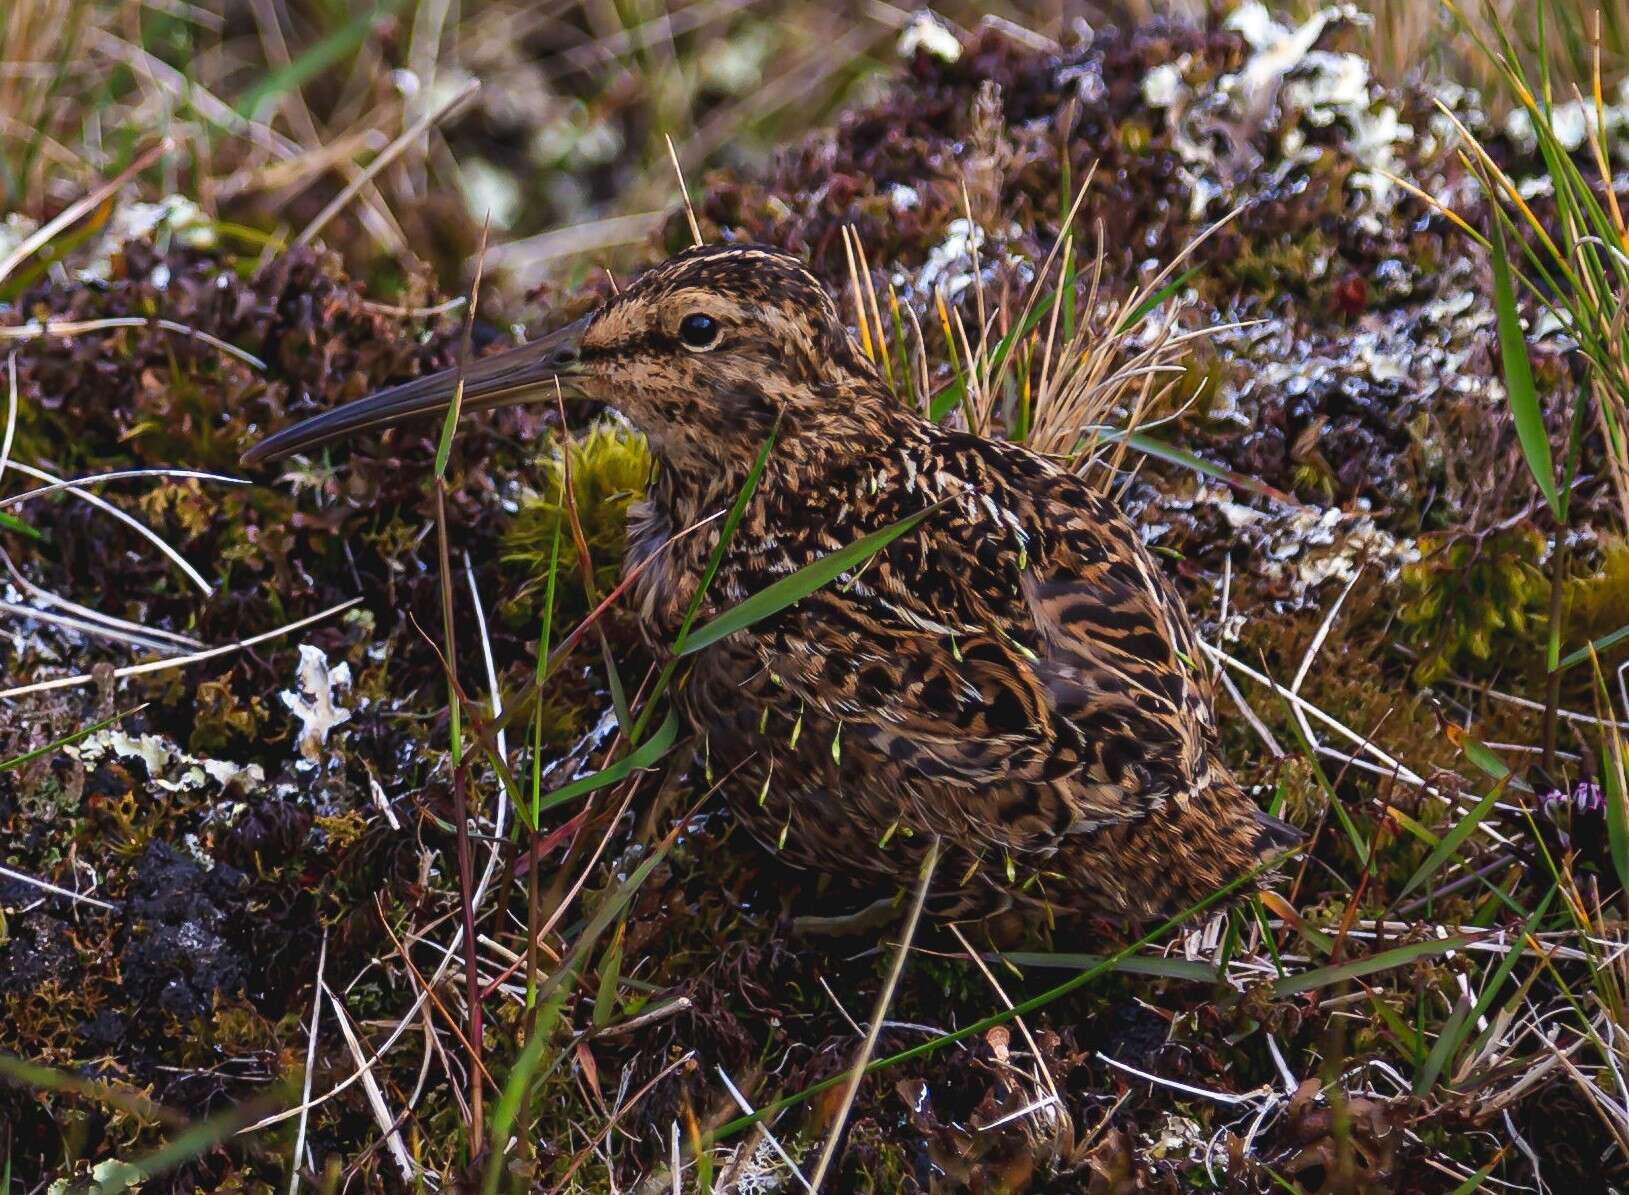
[{"x": 1275, "y": 837}]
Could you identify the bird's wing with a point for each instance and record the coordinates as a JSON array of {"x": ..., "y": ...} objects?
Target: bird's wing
[
  {"x": 1069, "y": 668},
  {"x": 1120, "y": 661}
]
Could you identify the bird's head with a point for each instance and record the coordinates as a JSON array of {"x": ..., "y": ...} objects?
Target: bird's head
[{"x": 703, "y": 353}]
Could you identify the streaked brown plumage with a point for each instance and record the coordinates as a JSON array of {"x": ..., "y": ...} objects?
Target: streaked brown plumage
[{"x": 1015, "y": 675}]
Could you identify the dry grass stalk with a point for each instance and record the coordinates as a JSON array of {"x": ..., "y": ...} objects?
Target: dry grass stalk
[{"x": 879, "y": 1014}]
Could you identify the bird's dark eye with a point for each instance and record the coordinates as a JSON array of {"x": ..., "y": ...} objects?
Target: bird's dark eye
[{"x": 698, "y": 331}]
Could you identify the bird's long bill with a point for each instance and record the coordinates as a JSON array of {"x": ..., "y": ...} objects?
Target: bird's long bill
[{"x": 525, "y": 374}]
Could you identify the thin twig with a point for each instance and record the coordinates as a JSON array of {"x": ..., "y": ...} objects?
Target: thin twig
[
  {"x": 1222, "y": 1097},
  {"x": 86, "y": 678},
  {"x": 879, "y": 1014},
  {"x": 44, "y": 597},
  {"x": 1023, "y": 1027},
  {"x": 611, "y": 1122},
  {"x": 79, "y": 208},
  {"x": 460, "y": 773},
  {"x": 11, "y": 413},
  {"x": 78, "y": 483},
  {"x": 47, "y": 886},
  {"x": 129, "y": 520},
  {"x": 93, "y": 628},
  {"x": 388, "y": 155},
  {"x": 66, "y": 329},
  {"x": 635, "y": 1023},
  {"x": 774, "y": 1142},
  {"x": 500, "y": 816},
  {"x": 310, "y": 1067},
  {"x": 376, "y": 1096},
  {"x": 684, "y": 194}
]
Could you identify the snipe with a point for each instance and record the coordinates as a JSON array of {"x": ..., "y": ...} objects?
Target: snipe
[{"x": 1015, "y": 675}]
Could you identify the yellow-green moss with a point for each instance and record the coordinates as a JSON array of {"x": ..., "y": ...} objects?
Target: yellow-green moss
[
  {"x": 1468, "y": 597},
  {"x": 1598, "y": 604},
  {"x": 1287, "y": 263},
  {"x": 610, "y": 468}
]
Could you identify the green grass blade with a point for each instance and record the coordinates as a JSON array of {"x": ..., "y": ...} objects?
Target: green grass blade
[
  {"x": 515, "y": 1085},
  {"x": 1406, "y": 1035},
  {"x": 1159, "y": 968},
  {"x": 605, "y": 996},
  {"x": 1617, "y": 811},
  {"x": 1141, "y": 312},
  {"x": 1443, "y": 1048},
  {"x": 1399, "y": 956},
  {"x": 732, "y": 520},
  {"x": 13, "y": 523},
  {"x": 608, "y": 910},
  {"x": 1160, "y": 450},
  {"x": 1474, "y": 1183},
  {"x": 619, "y": 694},
  {"x": 321, "y": 56},
  {"x": 1518, "y": 371},
  {"x": 906, "y": 372},
  {"x": 36, "y": 267},
  {"x": 1308, "y": 933},
  {"x": 1360, "y": 846},
  {"x": 794, "y": 588},
  {"x": 977, "y": 1028},
  {"x": 1068, "y": 287},
  {"x": 1482, "y": 756},
  {"x": 1598, "y": 646},
  {"x": 704, "y": 1172},
  {"x": 18, "y": 761},
  {"x": 647, "y": 753},
  {"x": 545, "y": 634},
  {"x": 1452, "y": 1037},
  {"x": 455, "y": 409},
  {"x": 449, "y": 422},
  {"x": 1575, "y": 448},
  {"x": 19, "y": 1072},
  {"x": 116, "y": 1177},
  {"x": 1450, "y": 842},
  {"x": 951, "y": 396}
]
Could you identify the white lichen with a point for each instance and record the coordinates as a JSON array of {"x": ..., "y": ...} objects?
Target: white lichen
[
  {"x": 175, "y": 217},
  {"x": 313, "y": 700},
  {"x": 1290, "y": 90},
  {"x": 1162, "y": 86},
  {"x": 949, "y": 268},
  {"x": 928, "y": 33},
  {"x": 168, "y": 766},
  {"x": 903, "y": 198}
]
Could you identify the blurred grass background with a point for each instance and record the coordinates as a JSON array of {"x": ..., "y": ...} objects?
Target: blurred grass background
[{"x": 274, "y": 107}]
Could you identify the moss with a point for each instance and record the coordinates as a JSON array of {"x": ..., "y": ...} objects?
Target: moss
[
  {"x": 343, "y": 828},
  {"x": 563, "y": 719},
  {"x": 1135, "y": 136},
  {"x": 610, "y": 467},
  {"x": 1272, "y": 266},
  {"x": 1470, "y": 601},
  {"x": 1598, "y": 604},
  {"x": 221, "y": 718}
]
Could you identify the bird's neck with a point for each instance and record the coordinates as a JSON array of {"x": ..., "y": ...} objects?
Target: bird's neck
[{"x": 673, "y": 532}]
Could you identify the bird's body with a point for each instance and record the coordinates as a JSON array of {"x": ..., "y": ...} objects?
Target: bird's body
[{"x": 1014, "y": 675}]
